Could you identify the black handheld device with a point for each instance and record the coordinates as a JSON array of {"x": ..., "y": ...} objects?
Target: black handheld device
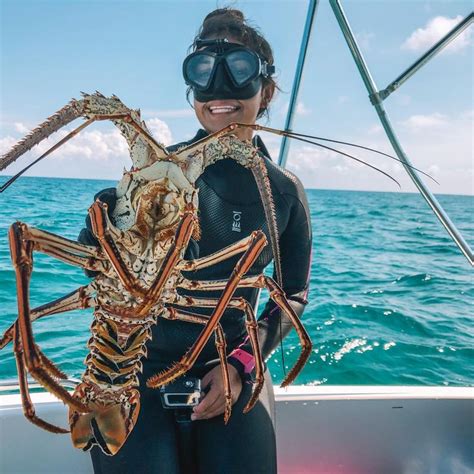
[{"x": 184, "y": 392}]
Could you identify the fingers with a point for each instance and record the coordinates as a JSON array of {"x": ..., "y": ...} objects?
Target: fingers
[
  {"x": 207, "y": 406},
  {"x": 216, "y": 410},
  {"x": 213, "y": 403},
  {"x": 207, "y": 379}
]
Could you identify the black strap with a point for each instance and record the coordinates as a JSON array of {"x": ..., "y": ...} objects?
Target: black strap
[{"x": 186, "y": 443}]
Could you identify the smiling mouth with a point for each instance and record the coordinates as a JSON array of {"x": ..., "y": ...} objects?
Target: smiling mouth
[{"x": 223, "y": 109}]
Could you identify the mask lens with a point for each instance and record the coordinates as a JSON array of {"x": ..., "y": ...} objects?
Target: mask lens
[
  {"x": 243, "y": 66},
  {"x": 198, "y": 70}
]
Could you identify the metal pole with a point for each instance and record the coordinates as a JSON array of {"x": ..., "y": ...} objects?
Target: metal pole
[
  {"x": 297, "y": 81},
  {"x": 377, "y": 102},
  {"x": 456, "y": 31}
]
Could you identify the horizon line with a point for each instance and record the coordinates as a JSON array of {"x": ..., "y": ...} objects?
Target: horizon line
[{"x": 310, "y": 189}]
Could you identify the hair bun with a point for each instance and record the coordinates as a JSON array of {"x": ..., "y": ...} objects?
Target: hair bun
[{"x": 230, "y": 13}]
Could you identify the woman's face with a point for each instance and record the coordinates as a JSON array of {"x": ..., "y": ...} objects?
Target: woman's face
[{"x": 217, "y": 114}]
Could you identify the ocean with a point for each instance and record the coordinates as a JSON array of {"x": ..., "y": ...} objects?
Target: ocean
[{"x": 390, "y": 303}]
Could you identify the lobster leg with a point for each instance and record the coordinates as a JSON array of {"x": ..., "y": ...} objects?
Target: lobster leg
[
  {"x": 46, "y": 238},
  {"x": 278, "y": 296},
  {"x": 257, "y": 243},
  {"x": 252, "y": 329},
  {"x": 99, "y": 221},
  {"x": 88, "y": 263},
  {"x": 216, "y": 257},
  {"x": 27, "y": 404},
  {"x": 151, "y": 296},
  {"x": 183, "y": 236},
  {"x": 36, "y": 362},
  {"x": 214, "y": 285},
  {"x": 174, "y": 313},
  {"x": 78, "y": 299},
  {"x": 221, "y": 350},
  {"x": 69, "y": 251}
]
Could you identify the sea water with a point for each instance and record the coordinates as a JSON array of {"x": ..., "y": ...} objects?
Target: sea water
[{"x": 390, "y": 302}]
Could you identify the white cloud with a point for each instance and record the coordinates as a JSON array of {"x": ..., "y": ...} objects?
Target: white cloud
[
  {"x": 160, "y": 131},
  {"x": 92, "y": 144},
  {"x": 376, "y": 129},
  {"x": 95, "y": 145},
  {"x": 419, "y": 123},
  {"x": 94, "y": 153},
  {"x": 434, "y": 170},
  {"x": 423, "y": 38},
  {"x": 20, "y": 127},
  {"x": 341, "y": 168},
  {"x": 6, "y": 143},
  {"x": 301, "y": 109},
  {"x": 439, "y": 144}
]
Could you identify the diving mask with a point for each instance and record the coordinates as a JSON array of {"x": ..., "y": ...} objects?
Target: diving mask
[{"x": 224, "y": 70}]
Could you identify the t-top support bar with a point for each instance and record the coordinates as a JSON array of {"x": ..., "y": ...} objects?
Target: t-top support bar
[
  {"x": 442, "y": 43},
  {"x": 383, "y": 116},
  {"x": 311, "y": 15}
]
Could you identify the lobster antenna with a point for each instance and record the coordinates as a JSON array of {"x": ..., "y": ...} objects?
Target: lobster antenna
[
  {"x": 297, "y": 136},
  {"x": 349, "y": 156},
  {"x": 44, "y": 155},
  {"x": 260, "y": 174},
  {"x": 70, "y": 135}
]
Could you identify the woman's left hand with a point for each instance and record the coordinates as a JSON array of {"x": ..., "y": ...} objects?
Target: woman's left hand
[{"x": 213, "y": 403}]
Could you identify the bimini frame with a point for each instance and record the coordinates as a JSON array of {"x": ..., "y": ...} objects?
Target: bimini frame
[{"x": 376, "y": 98}]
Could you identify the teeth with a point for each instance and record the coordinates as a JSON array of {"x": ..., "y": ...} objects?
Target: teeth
[{"x": 222, "y": 109}]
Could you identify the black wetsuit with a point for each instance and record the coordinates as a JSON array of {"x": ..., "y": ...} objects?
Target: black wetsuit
[{"x": 229, "y": 209}]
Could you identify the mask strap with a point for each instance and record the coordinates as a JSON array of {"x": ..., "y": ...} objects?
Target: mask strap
[{"x": 201, "y": 43}]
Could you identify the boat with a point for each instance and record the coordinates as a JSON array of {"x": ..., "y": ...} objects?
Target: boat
[{"x": 319, "y": 430}]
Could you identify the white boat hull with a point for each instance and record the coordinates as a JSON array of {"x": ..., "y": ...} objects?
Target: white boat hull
[{"x": 338, "y": 429}]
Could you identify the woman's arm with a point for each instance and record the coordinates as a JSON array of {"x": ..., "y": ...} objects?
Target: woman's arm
[{"x": 295, "y": 248}]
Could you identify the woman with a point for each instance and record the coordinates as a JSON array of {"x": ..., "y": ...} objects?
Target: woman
[{"x": 229, "y": 74}]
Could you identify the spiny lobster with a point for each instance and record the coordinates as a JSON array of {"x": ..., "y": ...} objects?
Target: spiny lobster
[{"x": 140, "y": 260}]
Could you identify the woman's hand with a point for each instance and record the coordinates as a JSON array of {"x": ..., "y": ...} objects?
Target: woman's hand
[{"x": 213, "y": 403}]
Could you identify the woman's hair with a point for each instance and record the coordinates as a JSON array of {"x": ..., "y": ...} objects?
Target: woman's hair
[{"x": 231, "y": 22}]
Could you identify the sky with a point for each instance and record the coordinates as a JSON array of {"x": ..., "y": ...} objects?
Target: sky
[{"x": 53, "y": 49}]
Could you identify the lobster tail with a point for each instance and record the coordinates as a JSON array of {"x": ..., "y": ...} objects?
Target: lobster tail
[{"x": 107, "y": 425}]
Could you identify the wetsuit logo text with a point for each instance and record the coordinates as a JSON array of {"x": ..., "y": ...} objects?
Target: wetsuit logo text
[{"x": 236, "y": 222}]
